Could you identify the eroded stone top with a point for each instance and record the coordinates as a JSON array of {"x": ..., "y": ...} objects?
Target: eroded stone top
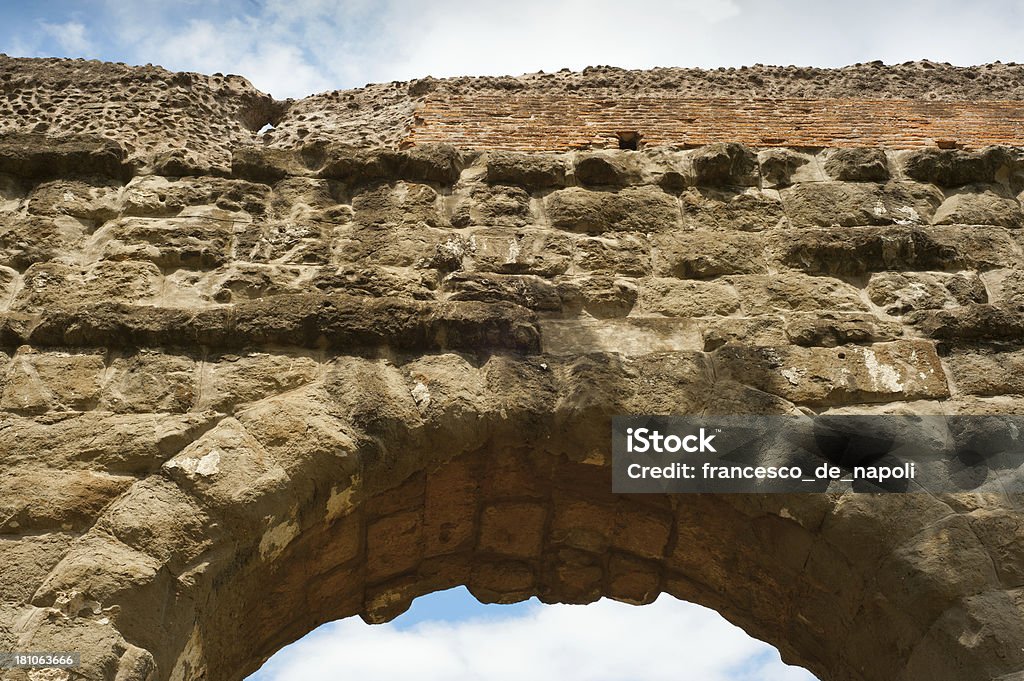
[{"x": 186, "y": 123}]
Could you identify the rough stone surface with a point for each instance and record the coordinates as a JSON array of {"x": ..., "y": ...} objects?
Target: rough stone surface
[{"x": 266, "y": 383}]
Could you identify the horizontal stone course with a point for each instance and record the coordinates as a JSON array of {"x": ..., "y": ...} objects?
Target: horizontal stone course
[{"x": 298, "y": 320}]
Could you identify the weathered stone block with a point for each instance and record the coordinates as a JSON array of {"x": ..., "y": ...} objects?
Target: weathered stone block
[
  {"x": 607, "y": 168},
  {"x": 376, "y": 281},
  {"x": 640, "y": 531},
  {"x": 782, "y": 167},
  {"x": 851, "y": 204},
  {"x": 408, "y": 204},
  {"x": 513, "y": 529},
  {"x": 601, "y": 297},
  {"x": 725, "y": 164},
  {"x": 537, "y": 252},
  {"x": 901, "y": 292},
  {"x": 629, "y": 336},
  {"x": 262, "y": 164},
  {"x": 28, "y": 239},
  {"x": 43, "y": 499},
  {"x": 437, "y": 163},
  {"x": 615, "y": 253},
  {"x": 701, "y": 254},
  {"x": 644, "y": 209},
  {"x": 874, "y": 249},
  {"x": 149, "y": 382},
  {"x": 286, "y": 242},
  {"x": 954, "y": 167},
  {"x": 759, "y": 330},
  {"x": 394, "y": 545},
  {"x": 449, "y": 511},
  {"x": 192, "y": 243},
  {"x": 675, "y": 298},
  {"x": 91, "y": 202},
  {"x": 829, "y": 329},
  {"x": 532, "y": 171},
  {"x": 857, "y": 165},
  {"x": 582, "y": 525},
  {"x": 631, "y": 580},
  {"x": 527, "y": 290},
  {"x": 980, "y": 208},
  {"x": 240, "y": 379},
  {"x": 794, "y": 291},
  {"x": 506, "y": 581},
  {"x": 885, "y": 372},
  {"x": 47, "y": 286},
  {"x": 987, "y": 371},
  {"x": 719, "y": 209},
  {"x": 1008, "y": 288},
  {"x": 499, "y": 206},
  {"x": 38, "y": 382},
  {"x": 969, "y": 322},
  {"x": 153, "y": 196},
  {"x": 33, "y": 155}
]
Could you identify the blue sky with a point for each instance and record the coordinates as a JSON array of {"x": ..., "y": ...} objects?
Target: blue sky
[
  {"x": 296, "y": 47},
  {"x": 448, "y": 636}
]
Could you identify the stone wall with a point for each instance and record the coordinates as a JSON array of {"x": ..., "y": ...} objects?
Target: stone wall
[{"x": 318, "y": 381}]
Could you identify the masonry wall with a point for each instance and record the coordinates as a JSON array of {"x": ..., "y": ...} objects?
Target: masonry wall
[{"x": 250, "y": 384}]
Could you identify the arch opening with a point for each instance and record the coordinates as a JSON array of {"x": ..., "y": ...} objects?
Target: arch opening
[{"x": 450, "y": 635}]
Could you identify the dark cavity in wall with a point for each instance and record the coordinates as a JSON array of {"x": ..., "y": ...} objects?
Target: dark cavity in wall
[{"x": 631, "y": 140}]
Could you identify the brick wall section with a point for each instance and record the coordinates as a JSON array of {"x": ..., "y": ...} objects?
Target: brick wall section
[{"x": 537, "y": 122}]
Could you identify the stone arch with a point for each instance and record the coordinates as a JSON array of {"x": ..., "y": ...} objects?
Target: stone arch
[
  {"x": 292, "y": 513},
  {"x": 246, "y": 390}
]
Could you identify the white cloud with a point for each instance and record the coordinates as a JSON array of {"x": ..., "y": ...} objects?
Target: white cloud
[
  {"x": 296, "y": 47},
  {"x": 604, "y": 641},
  {"x": 71, "y": 37}
]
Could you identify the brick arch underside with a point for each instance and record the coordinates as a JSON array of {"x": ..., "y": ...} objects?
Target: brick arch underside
[{"x": 352, "y": 497}]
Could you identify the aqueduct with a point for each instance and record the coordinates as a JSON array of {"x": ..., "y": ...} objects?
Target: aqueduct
[{"x": 253, "y": 381}]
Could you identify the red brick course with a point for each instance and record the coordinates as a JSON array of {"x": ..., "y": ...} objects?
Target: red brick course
[{"x": 537, "y": 122}]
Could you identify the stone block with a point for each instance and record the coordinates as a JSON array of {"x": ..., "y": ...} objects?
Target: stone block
[
  {"x": 731, "y": 209},
  {"x": 630, "y": 336},
  {"x": 829, "y": 329},
  {"x": 401, "y": 204},
  {"x": 859, "y": 250},
  {"x": 980, "y": 208},
  {"x": 642, "y": 209},
  {"x": 703, "y": 254},
  {"x": 986, "y": 371},
  {"x": 192, "y": 243},
  {"x": 394, "y": 544},
  {"x": 724, "y": 164},
  {"x": 884, "y": 372},
  {"x": 625, "y": 254},
  {"x": 532, "y": 171},
  {"x": 793, "y": 291},
  {"x": 498, "y": 206},
  {"x": 449, "y": 511},
  {"x": 539, "y": 252},
  {"x": 901, "y": 292},
  {"x": 857, "y": 165},
  {"x": 852, "y": 204},
  {"x": 687, "y": 298},
  {"x": 149, "y": 382},
  {"x": 514, "y": 529},
  {"x": 37, "y": 382}
]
